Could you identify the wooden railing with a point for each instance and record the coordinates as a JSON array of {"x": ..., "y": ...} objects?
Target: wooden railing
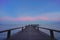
[
  {"x": 9, "y": 31},
  {"x": 51, "y": 32}
]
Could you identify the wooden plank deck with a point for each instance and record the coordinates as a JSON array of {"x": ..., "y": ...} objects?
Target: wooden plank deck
[{"x": 30, "y": 33}]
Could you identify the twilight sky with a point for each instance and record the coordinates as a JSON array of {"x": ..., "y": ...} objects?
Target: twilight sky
[{"x": 29, "y": 11}]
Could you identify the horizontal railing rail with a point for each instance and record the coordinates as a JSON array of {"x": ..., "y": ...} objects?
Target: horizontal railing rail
[
  {"x": 51, "y": 32},
  {"x": 50, "y": 29},
  {"x": 9, "y": 31}
]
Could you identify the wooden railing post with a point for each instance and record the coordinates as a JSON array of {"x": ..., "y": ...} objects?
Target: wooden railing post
[
  {"x": 22, "y": 28},
  {"x": 8, "y": 34},
  {"x": 52, "y": 35},
  {"x": 37, "y": 28}
]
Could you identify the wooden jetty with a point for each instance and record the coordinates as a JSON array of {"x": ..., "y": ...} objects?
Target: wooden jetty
[{"x": 29, "y": 33}]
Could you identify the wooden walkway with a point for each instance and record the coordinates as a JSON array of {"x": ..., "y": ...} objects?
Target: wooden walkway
[{"x": 29, "y": 33}]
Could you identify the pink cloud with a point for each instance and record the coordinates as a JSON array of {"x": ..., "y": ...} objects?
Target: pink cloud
[
  {"x": 23, "y": 18},
  {"x": 31, "y": 18},
  {"x": 41, "y": 18},
  {"x": 37, "y": 18},
  {"x": 55, "y": 19}
]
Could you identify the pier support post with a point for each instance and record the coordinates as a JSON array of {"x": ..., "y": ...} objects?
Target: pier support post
[
  {"x": 52, "y": 35},
  {"x": 8, "y": 34},
  {"x": 22, "y": 28},
  {"x": 37, "y": 28}
]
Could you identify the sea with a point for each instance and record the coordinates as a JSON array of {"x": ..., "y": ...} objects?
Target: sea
[{"x": 3, "y": 35}]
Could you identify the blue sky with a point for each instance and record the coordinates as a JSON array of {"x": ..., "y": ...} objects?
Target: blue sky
[{"x": 15, "y": 11}]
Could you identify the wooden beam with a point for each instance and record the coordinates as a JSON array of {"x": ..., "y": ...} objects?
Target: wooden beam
[
  {"x": 8, "y": 34},
  {"x": 52, "y": 35}
]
